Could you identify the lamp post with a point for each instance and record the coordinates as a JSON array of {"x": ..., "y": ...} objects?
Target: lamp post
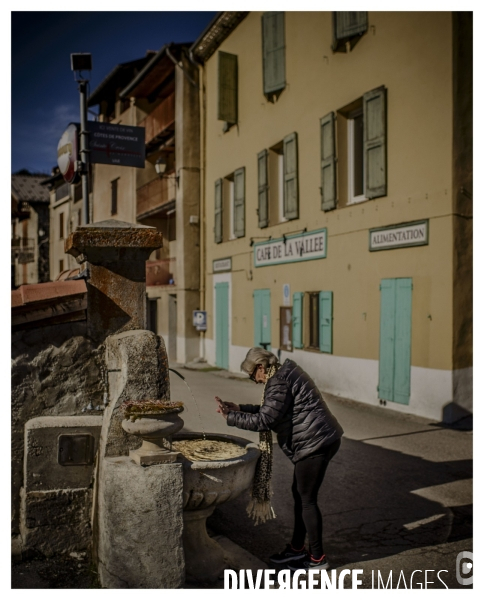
[{"x": 80, "y": 63}]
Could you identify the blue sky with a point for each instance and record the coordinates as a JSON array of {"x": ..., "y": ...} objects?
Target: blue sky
[{"x": 44, "y": 94}]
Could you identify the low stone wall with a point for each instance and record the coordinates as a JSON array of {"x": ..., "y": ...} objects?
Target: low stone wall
[
  {"x": 56, "y": 499},
  {"x": 55, "y": 371}
]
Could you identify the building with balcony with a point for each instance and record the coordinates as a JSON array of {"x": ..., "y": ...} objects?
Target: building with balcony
[
  {"x": 159, "y": 93},
  {"x": 337, "y": 200},
  {"x": 30, "y": 229},
  {"x": 65, "y": 210}
]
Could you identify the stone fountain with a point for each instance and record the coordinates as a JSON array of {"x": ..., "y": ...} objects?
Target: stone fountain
[{"x": 151, "y": 501}]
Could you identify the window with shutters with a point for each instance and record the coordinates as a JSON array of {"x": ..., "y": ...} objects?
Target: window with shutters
[
  {"x": 273, "y": 55},
  {"x": 227, "y": 89},
  {"x": 278, "y": 187},
  {"x": 360, "y": 133},
  {"x": 348, "y": 28},
  {"x": 318, "y": 320},
  {"x": 230, "y": 207}
]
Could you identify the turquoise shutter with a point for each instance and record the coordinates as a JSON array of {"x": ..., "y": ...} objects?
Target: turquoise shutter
[
  {"x": 227, "y": 87},
  {"x": 273, "y": 52},
  {"x": 262, "y": 317},
  {"x": 218, "y": 211},
  {"x": 326, "y": 322},
  {"x": 222, "y": 325},
  {"x": 257, "y": 318},
  {"x": 387, "y": 339},
  {"x": 403, "y": 342},
  {"x": 266, "y": 317},
  {"x": 263, "y": 185},
  {"x": 328, "y": 163},
  {"x": 297, "y": 319},
  {"x": 239, "y": 202},
  {"x": 375, "y": 151},
  {"x": 291, "y": 192}
]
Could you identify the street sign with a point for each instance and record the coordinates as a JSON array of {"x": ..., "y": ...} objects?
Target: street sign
[
  {"x": 286, "y": 295},
  {"x": 67, "y": 153},
  {"x": 200, "y": 320},
  {"x": 122, "y": 145}
]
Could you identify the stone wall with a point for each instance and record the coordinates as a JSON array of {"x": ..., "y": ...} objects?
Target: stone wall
[{"x": 55, "y": 371}]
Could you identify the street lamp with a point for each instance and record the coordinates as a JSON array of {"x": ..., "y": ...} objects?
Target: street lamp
[
  {"x": 160, "y": 168},
  {"x": 81, "y": 64}
]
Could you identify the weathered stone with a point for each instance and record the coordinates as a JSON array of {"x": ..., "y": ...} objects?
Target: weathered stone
[
  {"x": 117, "y": 253},
  {"x": 56, "y": 521},
  {"x": 140, "y": 525},
  {"x": 42, "y": 469},
  {"x": 138, "y": 361},
  {"x": 42, "y": 384}
]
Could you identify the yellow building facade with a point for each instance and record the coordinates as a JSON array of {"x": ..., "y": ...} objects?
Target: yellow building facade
[{"x": 340, "y": 191}]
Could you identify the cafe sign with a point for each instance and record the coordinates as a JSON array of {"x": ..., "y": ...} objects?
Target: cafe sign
[
  {"x": 400, "y": 236},
  {"x": 309, "y": 245}
]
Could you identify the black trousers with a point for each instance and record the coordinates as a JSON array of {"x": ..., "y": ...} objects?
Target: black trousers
[{"x": 308, "y": 477}]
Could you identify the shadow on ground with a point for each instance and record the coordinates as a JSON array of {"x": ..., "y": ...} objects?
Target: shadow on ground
[{"x": 369, "y": 505}]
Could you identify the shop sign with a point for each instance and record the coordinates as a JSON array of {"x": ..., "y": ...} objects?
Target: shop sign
[
  {"x": 400, "y": 236},
  {"x": 291, "y": 248},
  {"x": 122, "y": 145},
  {"x": 222, "y": 264}
]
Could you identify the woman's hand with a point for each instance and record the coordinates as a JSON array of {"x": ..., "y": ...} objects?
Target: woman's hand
[{"x": 225, "y": 407}]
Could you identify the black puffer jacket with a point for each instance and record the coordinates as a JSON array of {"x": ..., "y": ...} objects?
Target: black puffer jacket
[{"x": 293, "y": 408}]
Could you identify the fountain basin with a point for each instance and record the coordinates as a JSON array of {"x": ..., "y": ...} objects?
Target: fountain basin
[
  {"x": 156, "y": 431},
  {"x": 206, "y": 484}
]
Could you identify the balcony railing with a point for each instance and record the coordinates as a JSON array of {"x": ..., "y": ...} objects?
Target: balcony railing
[
  {"x": 63, "y": 191},
  {"x": 161, "y": 272},
  {"x": 160, "y": 120},
  {"x": 23, "y": 250},
  {"x": 150, "y": 198}
]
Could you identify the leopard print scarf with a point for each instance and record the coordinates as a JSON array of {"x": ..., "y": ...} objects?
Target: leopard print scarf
[{"x": 260, "y": 508}]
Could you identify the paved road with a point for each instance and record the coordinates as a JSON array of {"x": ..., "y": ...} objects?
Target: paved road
[{"x": 397, "y": 497}]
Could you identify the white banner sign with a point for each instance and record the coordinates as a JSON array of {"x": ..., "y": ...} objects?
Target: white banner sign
[
  {"x": 411, "y": 234},
  {"x": 293, "y": 248},
  {"x": 222, "y": 264}
]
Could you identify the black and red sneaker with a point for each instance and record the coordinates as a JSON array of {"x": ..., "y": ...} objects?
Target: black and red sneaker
[
  {"x": 288, "y": 554},
  {"x": 308, "y": 563}
]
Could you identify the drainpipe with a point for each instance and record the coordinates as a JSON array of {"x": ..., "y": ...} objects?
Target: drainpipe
[{"x": 203, "y": 127}]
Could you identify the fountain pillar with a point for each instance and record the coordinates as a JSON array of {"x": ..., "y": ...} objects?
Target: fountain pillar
[{"x": 138, "y": 506}]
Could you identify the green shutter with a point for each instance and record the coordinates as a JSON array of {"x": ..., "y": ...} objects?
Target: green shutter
[
  {"x": 297, "y": 319},
  {"x": 348, "y": 24},
  {"x": 291, "y": 192},
  {"x": 262, "y": 318},
  {"x": 328, "y": 163},
  {"x": 273, "y": 52},
  {"x": 263, "y": 185},
  {"x": 375, "y": 151},
  {"x": 403, "y": 344},
  {"x": 222, "y": 325},
  {"x": 227, "y": 87},
  {"x": 387, "y": 339},
  {"x": 239, "y": 202},
  {"x": 218, "y": 211},
  {"x": 326, "y": 322}
]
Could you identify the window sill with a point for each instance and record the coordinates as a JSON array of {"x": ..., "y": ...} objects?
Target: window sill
[{"x": 357, "y": 200}]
